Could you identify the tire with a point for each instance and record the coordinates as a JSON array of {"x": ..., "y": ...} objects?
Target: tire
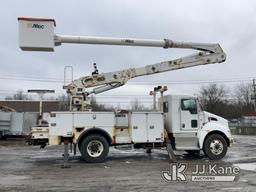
[
  {"x": 79, "y": 146},
  {"x": 94, "y": 148},
  {"x": 193, "y": 152},
  {"x": 215, "y": 147}
]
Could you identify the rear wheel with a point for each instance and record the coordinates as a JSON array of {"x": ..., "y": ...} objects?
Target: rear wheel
[
  {"x": 215, "y": 147},
  {"x": 94, "y": 148}
]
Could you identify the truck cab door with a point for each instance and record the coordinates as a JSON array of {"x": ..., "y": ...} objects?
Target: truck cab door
[
  {"x": 189, "y": 114},
  {"x": 186, "y": 138}
]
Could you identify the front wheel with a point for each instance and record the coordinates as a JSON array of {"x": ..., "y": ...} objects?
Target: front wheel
[
  {"x": 215, "y": 147},
  {"x": 94, "y": 148}
]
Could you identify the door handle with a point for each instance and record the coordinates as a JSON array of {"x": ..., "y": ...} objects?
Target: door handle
[
  {"x": 183, "y": 125},
  {"x": 151, "y": 127}
]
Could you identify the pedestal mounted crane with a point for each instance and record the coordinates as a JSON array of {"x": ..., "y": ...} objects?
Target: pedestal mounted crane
[{"x": 38, "y": 35}]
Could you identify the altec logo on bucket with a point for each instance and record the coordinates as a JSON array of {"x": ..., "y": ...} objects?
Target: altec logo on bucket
[
  {"x": 35, "y": 25},
  {"x": 200, "y": 172}
]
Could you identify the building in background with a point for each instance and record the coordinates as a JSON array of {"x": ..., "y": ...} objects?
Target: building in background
[
  {"x": 30, "y": 106},
  {"x": 22, "y": 116}
]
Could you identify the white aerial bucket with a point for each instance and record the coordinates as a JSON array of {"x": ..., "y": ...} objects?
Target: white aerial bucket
[{"x": 36, "y": 34}]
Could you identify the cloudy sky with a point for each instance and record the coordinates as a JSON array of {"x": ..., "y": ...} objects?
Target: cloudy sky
[{"x": 232, "y": 23}]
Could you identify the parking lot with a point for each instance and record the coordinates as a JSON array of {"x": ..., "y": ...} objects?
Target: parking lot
[{"x": 28, "y": 168}]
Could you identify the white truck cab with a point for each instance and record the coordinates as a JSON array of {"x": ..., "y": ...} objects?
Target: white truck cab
[{"x": 191, "y": 129}]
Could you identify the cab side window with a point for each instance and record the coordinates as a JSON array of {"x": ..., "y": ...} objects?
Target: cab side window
[{"x": 189, "y": 105}]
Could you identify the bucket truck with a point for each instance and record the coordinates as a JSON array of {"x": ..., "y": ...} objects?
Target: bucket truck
[{"x": 181, "y": 124}]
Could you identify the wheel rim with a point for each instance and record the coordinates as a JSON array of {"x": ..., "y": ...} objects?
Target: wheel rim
[
  {"x": 216, "y": 147},
  {"x": 95, "y": 148}
]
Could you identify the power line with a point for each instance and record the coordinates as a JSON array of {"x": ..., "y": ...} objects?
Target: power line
[
  {"x": 28, "y": 76},
  {"x": 61, "y": 79},
  {"x": 49, "y": 80},
  {"x": 35, "y": 80},
  {"x": 254, "y": 93}
]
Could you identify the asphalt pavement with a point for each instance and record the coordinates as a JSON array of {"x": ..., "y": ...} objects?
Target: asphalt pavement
[{"x": 29, "y": 168}]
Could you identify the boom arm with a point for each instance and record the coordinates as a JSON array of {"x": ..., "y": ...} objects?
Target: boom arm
[
  {"x": 209, "y": 54},
  {"x": 37, "y": 34}
]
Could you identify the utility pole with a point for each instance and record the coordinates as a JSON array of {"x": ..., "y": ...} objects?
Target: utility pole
[{"x": 254, "y": 93}]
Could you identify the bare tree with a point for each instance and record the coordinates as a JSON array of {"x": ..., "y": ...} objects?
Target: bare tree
[
  {"x": 118, "y": 107},
  {"x": 136, "y": 105},
  {"x": 100, "y": 107},
  {"x": 212, "y": 98},
  {"x": 20, "y": 95},
  {"x": 64, "y": 102},
  {"x": 243, "y": 96}
]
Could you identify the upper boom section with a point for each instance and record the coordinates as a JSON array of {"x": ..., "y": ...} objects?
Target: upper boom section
[
  {"x": 165, "y": 43},
  {"x": 37, "y": 34}
]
